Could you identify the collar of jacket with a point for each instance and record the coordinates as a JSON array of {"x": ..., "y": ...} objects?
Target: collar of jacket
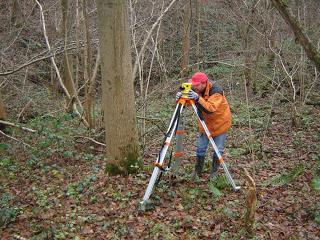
[{"x": 207, "y": 89}]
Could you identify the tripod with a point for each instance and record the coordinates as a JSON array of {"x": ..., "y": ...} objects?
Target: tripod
[{"x": 173, "y": 126}]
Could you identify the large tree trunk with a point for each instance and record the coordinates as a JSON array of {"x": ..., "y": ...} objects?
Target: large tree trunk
[
  {"x": 117, "y": 87},
  {"x": 186, "y": 39},
  {"x": 303, "y": 39}
]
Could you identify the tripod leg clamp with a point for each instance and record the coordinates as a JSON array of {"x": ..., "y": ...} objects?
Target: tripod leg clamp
[{"x": 159, "y": 166}]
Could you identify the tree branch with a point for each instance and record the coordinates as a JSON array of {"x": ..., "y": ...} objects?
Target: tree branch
[
  {"x": 148, "y": 37},
  {"x": 303, "y": 39}
]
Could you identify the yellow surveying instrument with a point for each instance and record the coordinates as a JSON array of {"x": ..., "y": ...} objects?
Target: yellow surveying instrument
[
  {"x": 185, "y": 88},
  {"x": 174, "y": 130}
]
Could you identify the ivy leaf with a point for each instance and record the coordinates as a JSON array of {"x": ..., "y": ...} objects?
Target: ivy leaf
[
  {"x": 317, "y": 219},
  {"x": 216, "y": 192},
  {"x": 315, "y": 183}
]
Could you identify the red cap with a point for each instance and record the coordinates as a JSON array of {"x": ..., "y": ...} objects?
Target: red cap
[{"x": 198, "y": 78}]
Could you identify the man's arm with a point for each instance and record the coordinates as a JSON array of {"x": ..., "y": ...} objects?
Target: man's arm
[{"x": 211, "y": 105}]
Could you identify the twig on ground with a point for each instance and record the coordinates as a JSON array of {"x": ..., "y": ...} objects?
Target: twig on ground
[
  {"x": 15, "y": 139},
  {"x": 91, "y": 139},
  {"x": 150, "y": 119},
  {"x": 17, "y": 126}
]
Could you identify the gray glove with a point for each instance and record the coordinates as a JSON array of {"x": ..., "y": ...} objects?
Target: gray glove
[
  {"x": 193, "y": 95},
  {"x": 178, "y": 95}
]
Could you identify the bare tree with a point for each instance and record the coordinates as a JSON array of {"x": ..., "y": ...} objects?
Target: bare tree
[{"x": 301, "y": 37}]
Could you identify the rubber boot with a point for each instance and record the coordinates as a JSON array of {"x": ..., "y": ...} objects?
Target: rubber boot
[
  {"x": 199, "y": 166},
  {"x": 215, "y": 167}
]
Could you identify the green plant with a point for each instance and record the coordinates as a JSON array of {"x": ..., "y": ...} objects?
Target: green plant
[
  {"x": 315, "y": 183},
  {"x": 34, "y": 161},
  {"x": 194, "y": 192},
  {"x": 5, "y": 199},
  {"x": 8, "y": 164},
  {"x": 4, "y": 146},
  {"x": 317, "y": 218},
  {"x": 71, "y": 190},
  {"x": 216, "y": 185},
  {"x": 220, "y": 182},
  {"x": 288, "y": 177},
  {"x": 161, "y": 231},
  {"x": 121, "y": 230},
  {"x": 216, "y": 192},
  {"x": 8, "y": 215}
]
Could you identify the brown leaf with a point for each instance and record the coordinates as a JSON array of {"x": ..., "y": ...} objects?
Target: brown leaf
[{"x": 87, "y": 230}]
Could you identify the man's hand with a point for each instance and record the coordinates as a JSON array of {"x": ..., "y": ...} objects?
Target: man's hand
[
  {"x": 178, "y": 95},
  {"x": 193, "y": 95}
]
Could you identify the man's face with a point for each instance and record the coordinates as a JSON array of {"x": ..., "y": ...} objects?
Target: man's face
[{"x": 199, "y": 88}]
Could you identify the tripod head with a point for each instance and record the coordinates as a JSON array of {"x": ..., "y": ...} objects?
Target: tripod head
[{"x": 185, "y": 88}]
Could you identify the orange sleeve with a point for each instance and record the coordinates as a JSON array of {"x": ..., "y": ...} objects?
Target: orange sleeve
[{"x": 212, "y": 104}]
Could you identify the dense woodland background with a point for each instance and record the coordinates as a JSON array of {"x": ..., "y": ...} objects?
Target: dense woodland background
[{"x": 264, "y": 53}]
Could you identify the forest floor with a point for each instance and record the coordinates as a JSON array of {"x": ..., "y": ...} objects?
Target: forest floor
[{"x": 57, "y": 187}]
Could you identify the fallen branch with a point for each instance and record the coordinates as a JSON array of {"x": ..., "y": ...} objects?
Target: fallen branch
[
  {"x": 13, "y": 138},
  {"x": 17, "y": 126},
  {"x": 91, "y": 139}
]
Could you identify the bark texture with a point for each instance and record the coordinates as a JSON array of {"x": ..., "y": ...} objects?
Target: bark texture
[{"x": 117, "y": 84}]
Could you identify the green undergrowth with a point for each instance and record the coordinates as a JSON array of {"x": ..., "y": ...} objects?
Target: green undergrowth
[{"x": 62, "y": 175}]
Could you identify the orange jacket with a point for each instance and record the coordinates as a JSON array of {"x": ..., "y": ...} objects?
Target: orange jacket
[{"x": 215, "y": 110}]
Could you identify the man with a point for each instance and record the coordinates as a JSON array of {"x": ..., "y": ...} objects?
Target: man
[{"x": 214, "y": 108}]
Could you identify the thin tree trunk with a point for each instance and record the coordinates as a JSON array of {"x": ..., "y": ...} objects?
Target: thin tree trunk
[
  {"x": 89, "y": 103},
  {"x": 68, "y": 78},
  {"x": 87, "y": 35},
  {"x": 273, "y": 44},
  {"x": 3, "y": 115},
  {"x": 76, "y": 81},
  {"x": 117, "y": 87},
  {"x": 16, "y": 14},
  {"x": 303, "y": 39},
  {"x": 248, "y": 42},
  {"x": 198, "y": 51},
  {"x": 186, "y": 39}
]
